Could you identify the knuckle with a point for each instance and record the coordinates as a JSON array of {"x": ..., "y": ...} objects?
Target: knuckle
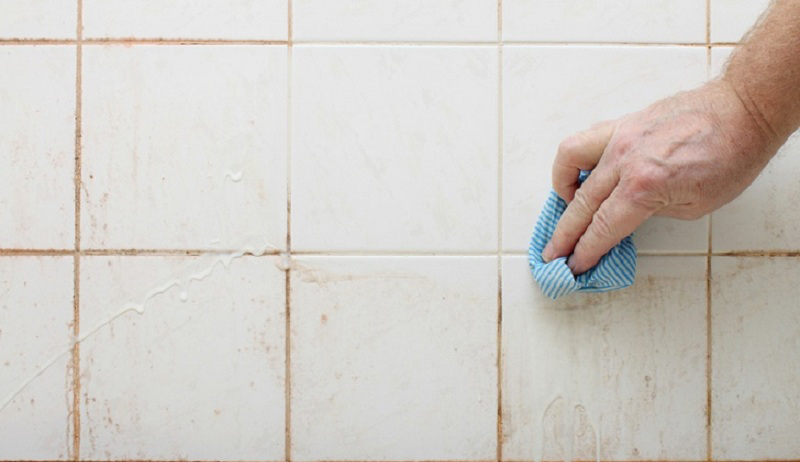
[
  {"x": 602, "y": 226},
  {"x": 582, "y": 202},
  {"x": 647, "y": 181},
  {"x": 622, "y": 144},
  {"x": 570, "y": 145}
]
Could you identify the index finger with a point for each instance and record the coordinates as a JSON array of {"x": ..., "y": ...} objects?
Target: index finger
[{"x": 581, "y": 151}]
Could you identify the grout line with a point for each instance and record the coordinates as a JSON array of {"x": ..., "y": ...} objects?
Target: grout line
[
  {"x": 37, "y": 41},
  {"x": 709, "y": 359},
  {"x": 76, "y": 259},
  {"x": 377, "y": 254},
  {"x": 138, "y": 41},
  {"x": 36, "y": 252},
  {"x": 200, "y": 42},
  {"x": 709, "y": 250},
  {"x": 166, "y": 252},
  {"x": 179, "y": 41},
  {"x": 288, "y": 370},
  {"x": 452, "y": 460},
  {"x": 288, "y": 287},
  {"x": 499, "y": 366}
]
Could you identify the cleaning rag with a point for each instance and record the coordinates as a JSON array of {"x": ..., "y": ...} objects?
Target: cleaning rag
[{"x": 616, "y": 270}]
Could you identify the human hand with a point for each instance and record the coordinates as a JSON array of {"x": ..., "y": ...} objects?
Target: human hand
[{"x": 682, "y": 157}]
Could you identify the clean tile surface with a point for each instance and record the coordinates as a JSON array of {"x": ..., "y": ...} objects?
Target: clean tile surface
[
  {"x": 198, "y": 375},
  {"x": 547, "y": 96},
  {"x": 767, "y": 215},
  {"x": 183, "y": 147},
  {"x": 38, "y": 19},
  {"x": 35, "y": 330},
  {"x": 756, "y": 354},
  {"x": 416, "y": 377},
  {"x": 37, "y": 147},
  {"x": 394, "y": 148},
  {"x": 623, "y": 372},
  {"x": 386, "y": 20},
  {"x": 181, "y": 19},
  {"x": 731, "y": 19},
  {"x": 660, "y": 21}
]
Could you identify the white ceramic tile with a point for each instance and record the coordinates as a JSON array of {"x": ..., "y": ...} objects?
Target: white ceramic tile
[
  {"x": 36, "y": 311},
  {"x": 183, "y": 146},
  {"x": 201, "y": 378},
  {"x": 756, "y": 356},
  {"x": 34, "y": 19},
  {"x": 394, "y": 148},
  {"x": 672, "y": 21},
  {"x": 627, "y": 368},
  {"x": 202, "y": 19},
  {"x": 767, "y": 215},
  {"x": 731, "y": 19},
  {"x": 37, "y": 147},
  {"x": 551, "y": 92},
  {"x": 376, "y": 20},
  {"x": 394, "y": 358}
]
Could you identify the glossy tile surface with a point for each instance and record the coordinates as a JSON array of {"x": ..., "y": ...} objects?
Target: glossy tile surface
[
  {"x": 183, "y": 147},
  {"x": 35, "y": 358},
  {"x": 676, "y": 21},
  {"x": 731, "y": 19},
  {"x": 38, "y": 19},
  {"x": 622, "y": 373},
  {"x": 756, "y": 351},
  {"x": 398, "y": 20},
  {"x": 37, "y": 147},
  {"x": 180, "y": 19},
  {"x": 416, "y": 378},
  {"x": 198, "y": 375},
  {"x": 547, "y": 97},
  {"x": 393, "y": 148}
]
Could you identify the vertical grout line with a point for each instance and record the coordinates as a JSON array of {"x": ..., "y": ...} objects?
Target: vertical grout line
[
  {"x": 499, "y": 366},
  {"x": 709, "y": 250},
  {"x": 709, "y": 345},
  {"x": 288, "y": 282},
  {"x": 76, "y": 258}
]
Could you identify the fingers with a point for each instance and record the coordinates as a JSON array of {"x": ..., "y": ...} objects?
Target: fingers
[
  {"x": 616, "y": 218},
  {"x": 578, "y": 215},
  {"x": 581, "y": 151}
]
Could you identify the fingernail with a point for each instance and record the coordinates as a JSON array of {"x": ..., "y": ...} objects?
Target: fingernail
[
  {"x": 548, "y": 252},
  {"x": 571, "y": 263}
]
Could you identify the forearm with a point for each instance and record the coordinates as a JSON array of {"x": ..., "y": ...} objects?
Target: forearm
[{"x": 765, "y": 71}]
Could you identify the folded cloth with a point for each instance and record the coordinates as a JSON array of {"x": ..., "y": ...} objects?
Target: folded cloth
[{"x": 616, "y": 270}]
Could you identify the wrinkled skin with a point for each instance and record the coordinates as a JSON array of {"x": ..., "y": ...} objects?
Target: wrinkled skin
[{"x": 682, "y": 157}]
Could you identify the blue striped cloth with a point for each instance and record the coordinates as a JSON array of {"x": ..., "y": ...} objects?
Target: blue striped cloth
[{"x": 616, "y": 270}]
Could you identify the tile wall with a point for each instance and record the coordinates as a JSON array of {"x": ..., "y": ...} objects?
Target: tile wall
[{"x": 297, "y": 230}]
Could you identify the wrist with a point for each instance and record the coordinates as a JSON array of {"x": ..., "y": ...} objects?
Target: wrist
[{"x": 763, "y": 125}]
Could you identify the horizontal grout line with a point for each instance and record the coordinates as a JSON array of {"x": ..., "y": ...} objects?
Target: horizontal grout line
[
  {"x": 345, "y": 253},
  {"x": 445, "y": 460},
  {"x": 121, "y": 252},
  {"x": 35, "y": 252},
  {"x": 135, "y": 41},
  {"x": 758, "y": 253},
  {"x": 163, "y": 252},
  {"x": 392, "y": 43},
  {"x": 344, "y": 43},
  {"x": 302, "y": 253}
]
